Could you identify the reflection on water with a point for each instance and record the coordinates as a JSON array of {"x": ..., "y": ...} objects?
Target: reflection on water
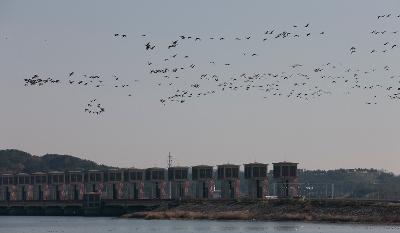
[
  {"x": 287, "y": 228},
  {"x": 10, "y": 224}
]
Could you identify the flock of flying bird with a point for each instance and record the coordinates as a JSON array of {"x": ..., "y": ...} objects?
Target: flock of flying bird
[{"x": 188, "y": 80}]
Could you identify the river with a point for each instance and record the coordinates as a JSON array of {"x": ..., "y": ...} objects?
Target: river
[{"x": 22, "y": 224}]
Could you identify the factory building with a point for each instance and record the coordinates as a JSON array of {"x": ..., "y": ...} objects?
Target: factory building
[
  {"x": 156, "y": 183},
  {"x": 40, "y": 186},
  {"x": 134, "y": 183},
  {"x": 257, "y": 180},
  {"x": 203, "y": 184},
  {"x": 178, "y": 178},
  {"x": 113, "y": 186},
  {"x": 228, "y": 176},
  {"x": 94, "y": 181},
  {"x": 56, "y": 186},
  {"x": 8, "y": 191},
  {"x": 22, "y": 181},
  {"x": 151, "y": 183},
  {"x": 286, "y": 179},
  {"x": 75, "y": 185}
]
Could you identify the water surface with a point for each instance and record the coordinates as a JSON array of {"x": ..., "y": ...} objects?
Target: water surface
[{"x": 19, "y": 224}]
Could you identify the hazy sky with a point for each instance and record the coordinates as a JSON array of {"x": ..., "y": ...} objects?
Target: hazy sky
[{"x": 53, "y": 38}]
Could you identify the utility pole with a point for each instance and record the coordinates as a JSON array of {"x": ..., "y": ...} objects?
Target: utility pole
[
  {"x": 169, "y": 160},
  {"x": 169, "y": 182}
]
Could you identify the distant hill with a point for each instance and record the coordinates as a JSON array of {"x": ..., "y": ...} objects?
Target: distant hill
[
  {"x": 356, "y": 183},
  {"x": 20, "y": 161}
]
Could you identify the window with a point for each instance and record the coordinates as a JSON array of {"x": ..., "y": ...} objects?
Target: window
[
  {"x": 209, "y": 173},
  {"x": 132, "y": 175},
  {"x": 194, "y": 173},
  {"x": 228, "y": 172},
  {"x": 285, "y": 171},
  {"x": 247, "y": 173},
  {"x": 184, "y": 174},
  {"x": 202, "y": 173},
  {"x": 40, "y": 179},
  {"x": 220, "y": 173},
  {"x": 154, "y": 175},
  {"x": 178, "y": 174},
  {"x": 126, "y": 175},
  {"x": 139, "y": 175},
  {"x": 7, "y": 180},
  {"x": 293, "y": 171},
  {"x": 98, "y": 177},
  {"x": 55, "y": 178},
  {"x": 263, "y": 171},
  {"x": 235, "y": 172},
  {"x": 148, "y": 174},
  {"x": 277, "y": 171},
  {"x": 256, "y": 172},
  {"x": 92, "y": 177},
  {"x": 170, "y": 174},
  {"x": 79, "y": 178},
  {"x": 161, "y": 175},
  {"x": 21, "y": 180},
  {"x": 119, "y": 176}
]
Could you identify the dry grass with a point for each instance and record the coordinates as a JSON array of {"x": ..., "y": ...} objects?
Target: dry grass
[{"x": 285, "y": 210}]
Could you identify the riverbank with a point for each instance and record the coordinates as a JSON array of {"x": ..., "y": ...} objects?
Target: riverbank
[{"x": 279, "y": 210}]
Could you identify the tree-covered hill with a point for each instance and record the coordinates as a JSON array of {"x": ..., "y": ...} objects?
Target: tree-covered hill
[
  {"x": 356, "y": 183},
  {"x": 18, "y": 161}
]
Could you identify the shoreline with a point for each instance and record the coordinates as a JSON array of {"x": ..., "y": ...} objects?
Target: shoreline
[{"x": 313, "y": 211}]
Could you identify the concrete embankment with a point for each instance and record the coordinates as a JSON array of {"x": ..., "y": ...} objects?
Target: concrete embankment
[{"x": 279, "y": 210}]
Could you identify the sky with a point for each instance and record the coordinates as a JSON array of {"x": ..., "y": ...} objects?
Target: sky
[{"x": 337, "y": 130}]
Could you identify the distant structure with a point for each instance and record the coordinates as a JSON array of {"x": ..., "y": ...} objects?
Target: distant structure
[
  {"x": 286, "y": 179},
  {"x": 94, "y": 181},
  {"x": 228, "y": 175},
  {"x": 150, "y": 183},
  {"x": 256, "y": 176},
  {"x": 75, "y": 185},
  {"x": 56, "y": 186},
  {"x": 134, "y": 183},
  {"x": 179, "y": 180},
  {"x": 155, "y": 178},
  {"x": 23, "y": 187},
  {"x": 203, "y": 184},
  {"x": 113, "y": 186},
  {"x": 8, "y": 189},
  {"x": 40, "y": 187}
]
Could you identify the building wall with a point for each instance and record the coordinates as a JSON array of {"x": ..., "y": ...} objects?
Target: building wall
[
  {"x": 203, "y": 189},
  {"x": 258, "y": 188},
  {"x": 230, "y": 188}
]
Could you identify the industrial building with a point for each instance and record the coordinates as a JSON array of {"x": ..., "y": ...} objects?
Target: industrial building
[
  {"x": 228, "y": 176},
  {"x": 156, "y": 183},
  {"x": 23, "y": 188},
  {"x": 94, "y": 181},
  {"x": 75, "y": 185},
  {"x": 113, "y": 187},
  {"x": 151, "y": 183},
  {"x": 256, "y": 175},
  {"x": 134, "y": 183},
  {"x": 40, "y": 186},
  {"x": 56, "y": 186},
  {"x": 286, "y": 179},
  {"x": 178, "y": 178},
  {"x": 203, "y": 184}
]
